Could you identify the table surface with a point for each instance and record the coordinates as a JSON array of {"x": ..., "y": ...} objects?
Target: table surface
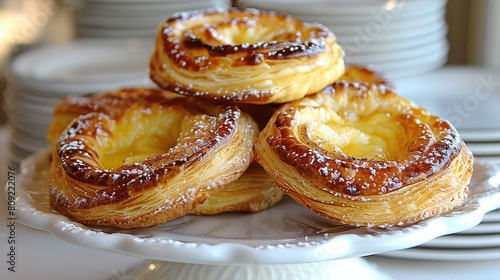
[{"x": 39, "y": 255}]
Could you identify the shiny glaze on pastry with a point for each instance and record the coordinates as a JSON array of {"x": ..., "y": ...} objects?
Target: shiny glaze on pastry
[
  {"x": 362, "y": 155},
  {"x": 253, "y": 191},
  {"x": 244, "y": 56},
  {"x": 110, "y": 103},
  {"x": 138, "y": 162}
]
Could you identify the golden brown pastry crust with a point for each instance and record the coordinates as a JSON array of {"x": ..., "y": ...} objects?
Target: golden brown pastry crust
[
  {"x": 140, "y": 165},
  {"x": 254, "y": 191},
  {"x": 244, "y": 56},
  {"x": 364, "y": 75},
  {"x": 362, "y": 155},
  {"x": 110, "y": 103}
]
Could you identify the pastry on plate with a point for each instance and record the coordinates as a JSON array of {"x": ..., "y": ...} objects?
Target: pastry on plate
[
  {"x": 360, "y": 154},
  {"x": 142, "y": 157},
  {"x": 244, "y": 56}
]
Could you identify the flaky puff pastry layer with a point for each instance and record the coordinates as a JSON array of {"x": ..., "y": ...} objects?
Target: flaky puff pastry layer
[
  {"x": 254, "y": 191},
  {"x": 149, "y": 162},
  {"x": 112, "y": 103},
  {"x": 363, "y": 155},
  {"x": 244, "y": 56}
]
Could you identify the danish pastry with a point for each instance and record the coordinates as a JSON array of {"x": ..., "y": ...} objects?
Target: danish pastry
[
  {"x": 362, "y": 155},
  {"x": 254, "y": 191},
  {"x": 244, "y": 56},
  {"x": 362, "y": 74},
  {"x": 139, "y": 162},
  {"x": 109, "y": 103}
]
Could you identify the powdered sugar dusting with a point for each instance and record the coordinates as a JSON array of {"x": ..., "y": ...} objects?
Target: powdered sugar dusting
[{"x": 433, "y": 143}]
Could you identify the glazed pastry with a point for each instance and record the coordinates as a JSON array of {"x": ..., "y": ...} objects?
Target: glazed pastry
[
  {"x": 111, "y": 103},
  {"x": 147, "y": 161},
  {"x": 362, "y": 155},
  {"x": 254, "y": 191},
  {"x": 362, "y": 74},
  {"x": 244, "y": 56}
]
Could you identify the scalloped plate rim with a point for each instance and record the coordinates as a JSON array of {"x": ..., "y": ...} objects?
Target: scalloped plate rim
[{"x": 333, "y": 247}]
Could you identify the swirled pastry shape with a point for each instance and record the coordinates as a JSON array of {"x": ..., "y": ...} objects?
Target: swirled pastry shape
[
  {"x": 112, "y": 103},
  {"x": 362, "y": 155},
  {"x": 149, "y": 160},
  {"x": 244, "y": 56},
  {"x": 254, "y": 191}
]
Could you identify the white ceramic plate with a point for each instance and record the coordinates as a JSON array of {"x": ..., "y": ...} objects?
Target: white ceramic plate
[
  {"x": 57, "y": 91},
  {"x": 33, "y": 122},
  {"x": 480, "y": 135},
  {"x": 466, "y": 96},
  {"x": 420, "y": 253},
  {"x": 408, "y": 64},
  {"x": 27, "y": 142},
  {"x": 374, "y": 18},
  {"x": 384, "y": 38},
  {"x": 458, "y": 241},
  {"x": 327, "y": 8},
  {"x": 140, "y": 9},
  {"x": 422, "y": 52},
  {"x": 31, "y": 119},
  {"x": 410, "y": 67},
  {"x": 385, "y": 24},
  {"x": 145, "y": 32},
  {"x": 492, "y": 217},
  {"x": 286, "y": 233},
  {"x": 80, "y": 62},
  {"x": 83, "y": 19},
  {"x": 370, "y": 47},
  {"x": 493, "y": 159},
  {"x": 132, "y": 1},
  {"x": 39, "y": 133},
  {"x": 389, "y": 31},
  {"x": 26, "y": 106},
  {"x": 484, "y": 149},
  {"x": 27, "y": 97},
  {"x": 483, "y": 228}
]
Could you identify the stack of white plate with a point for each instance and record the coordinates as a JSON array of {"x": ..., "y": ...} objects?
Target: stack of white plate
[
  {"x": 130, "y": 18},
  {"x": 469, "y": 97},
  {"x": 38, "y": 78},
  {"x": 478, "y": 243},
  {"x": 399, "y": 38}
]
